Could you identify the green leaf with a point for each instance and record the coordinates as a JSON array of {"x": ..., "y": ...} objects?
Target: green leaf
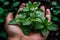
[
  {"x": 3, "y": 34},
  {"x": 55, "y": 18},
  {"x": 53, "y": 27},
  {"x": 38, "y": 20},
  {"x": 30, "y": 6},
  {"x": 25, "y": 9},
  {"x": 2, "y": 0},
  {"x": 44, "y": 31},
  {"x": 1, "y": 11},
  {"x": 57, "y": 6},
  {"x": 15, "y": 21},
  {"x": 16, "y": 4},
  {"x": 21, "y": 16},
  {"x": 25, "y": 30},
  {"x": 40, "y": 13},
  {"x": 36, "y": 4},
  {"x": 1, "y": 20},
  {"x": 54, "y": 3},
  {"x": 39, "y": 26},
  {"x": 29, "y": 3},
  {"x": 26, "y": 22},
  {"x": 49, "y": 23},
  {"x": 6, "y": 3},
  {"x": 32, "y": 19},
  {"x": 46, "y": 20},
  {"x": 32, "y": 14},
  {"x": 57, "y": 12}
]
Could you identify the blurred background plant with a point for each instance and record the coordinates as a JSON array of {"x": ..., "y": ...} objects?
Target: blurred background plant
[
  {"x": 55, "y": 17},
  {"x": 13, "y": 5},
  {"x": 5, "y": 7}
]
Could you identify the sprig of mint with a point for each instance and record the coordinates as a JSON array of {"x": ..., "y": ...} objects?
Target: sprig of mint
[{"x": 32, "y": 18}]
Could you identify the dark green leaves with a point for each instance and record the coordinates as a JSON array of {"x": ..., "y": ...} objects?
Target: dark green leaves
[
  {"x": 55, "y": 8},
  {"x": 55, "y": 18},
  {"x": 1, "y": 20},
  {"x": 6, "y": 3},
  {"x": 39, "y": 26},
  {"x": 2, "y": 0},
  {"x": 26, "y": 22},
  {"x": 25, "y": 30},
  {"x": 44, "y": 32},
  {"x": 40, "y": 13},
  {"x": 3, "y": 34},
  {"x": 53, "y": 27},
  {"x": 54, "y": 3},
  {"x": 26, "y": 9},
  {"x": 16, "y": 4},
  {"x": 36, "y": 4},
  {"x": 1, "y": 11},
  {"x": 50, "y": 25},
  {"x": 33, "y": 6}
]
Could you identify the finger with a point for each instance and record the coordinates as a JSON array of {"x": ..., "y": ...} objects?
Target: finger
[
  {"x": 16, "y": 15},
  {"x": 43, "y": 8},
  {"x": 48, "y": 15},
  {"x": 21, "y": 7},
  {"x": 9, "y": 18}
]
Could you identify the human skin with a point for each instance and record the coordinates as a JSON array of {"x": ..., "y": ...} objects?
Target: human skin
[{"x": 14, "y": 31}]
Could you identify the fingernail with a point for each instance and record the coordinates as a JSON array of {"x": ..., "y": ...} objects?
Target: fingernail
[
  {"x": 22, "y": 5},
  {"x": 47, "y": 11},
  {"x": 10, "y": 15},
  {"x": 43, "y": 8}
]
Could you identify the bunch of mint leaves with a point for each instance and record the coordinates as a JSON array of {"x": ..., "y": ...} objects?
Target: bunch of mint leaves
[{"x": 32, "y": 18}]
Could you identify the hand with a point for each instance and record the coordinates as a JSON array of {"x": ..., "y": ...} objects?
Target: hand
[{"x": 14, "y": 30}]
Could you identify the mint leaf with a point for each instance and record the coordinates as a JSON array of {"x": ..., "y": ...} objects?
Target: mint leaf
[
  {"x": 30, "y": 5},
  {"x": 53, "y": 27},
  {"x": 40, "y": 13},
  {"x": 26, "y": 22},
  {"x": 39, "y": 26},
  {"x": 25, "y": 9},
  {"x": 32, "y": 14},
  {"x": 38, "y": 20},
  {"x": 44, "y": 31},
  {"x": 25, "y": 30},
  {"x": 36, "y": 4}
]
